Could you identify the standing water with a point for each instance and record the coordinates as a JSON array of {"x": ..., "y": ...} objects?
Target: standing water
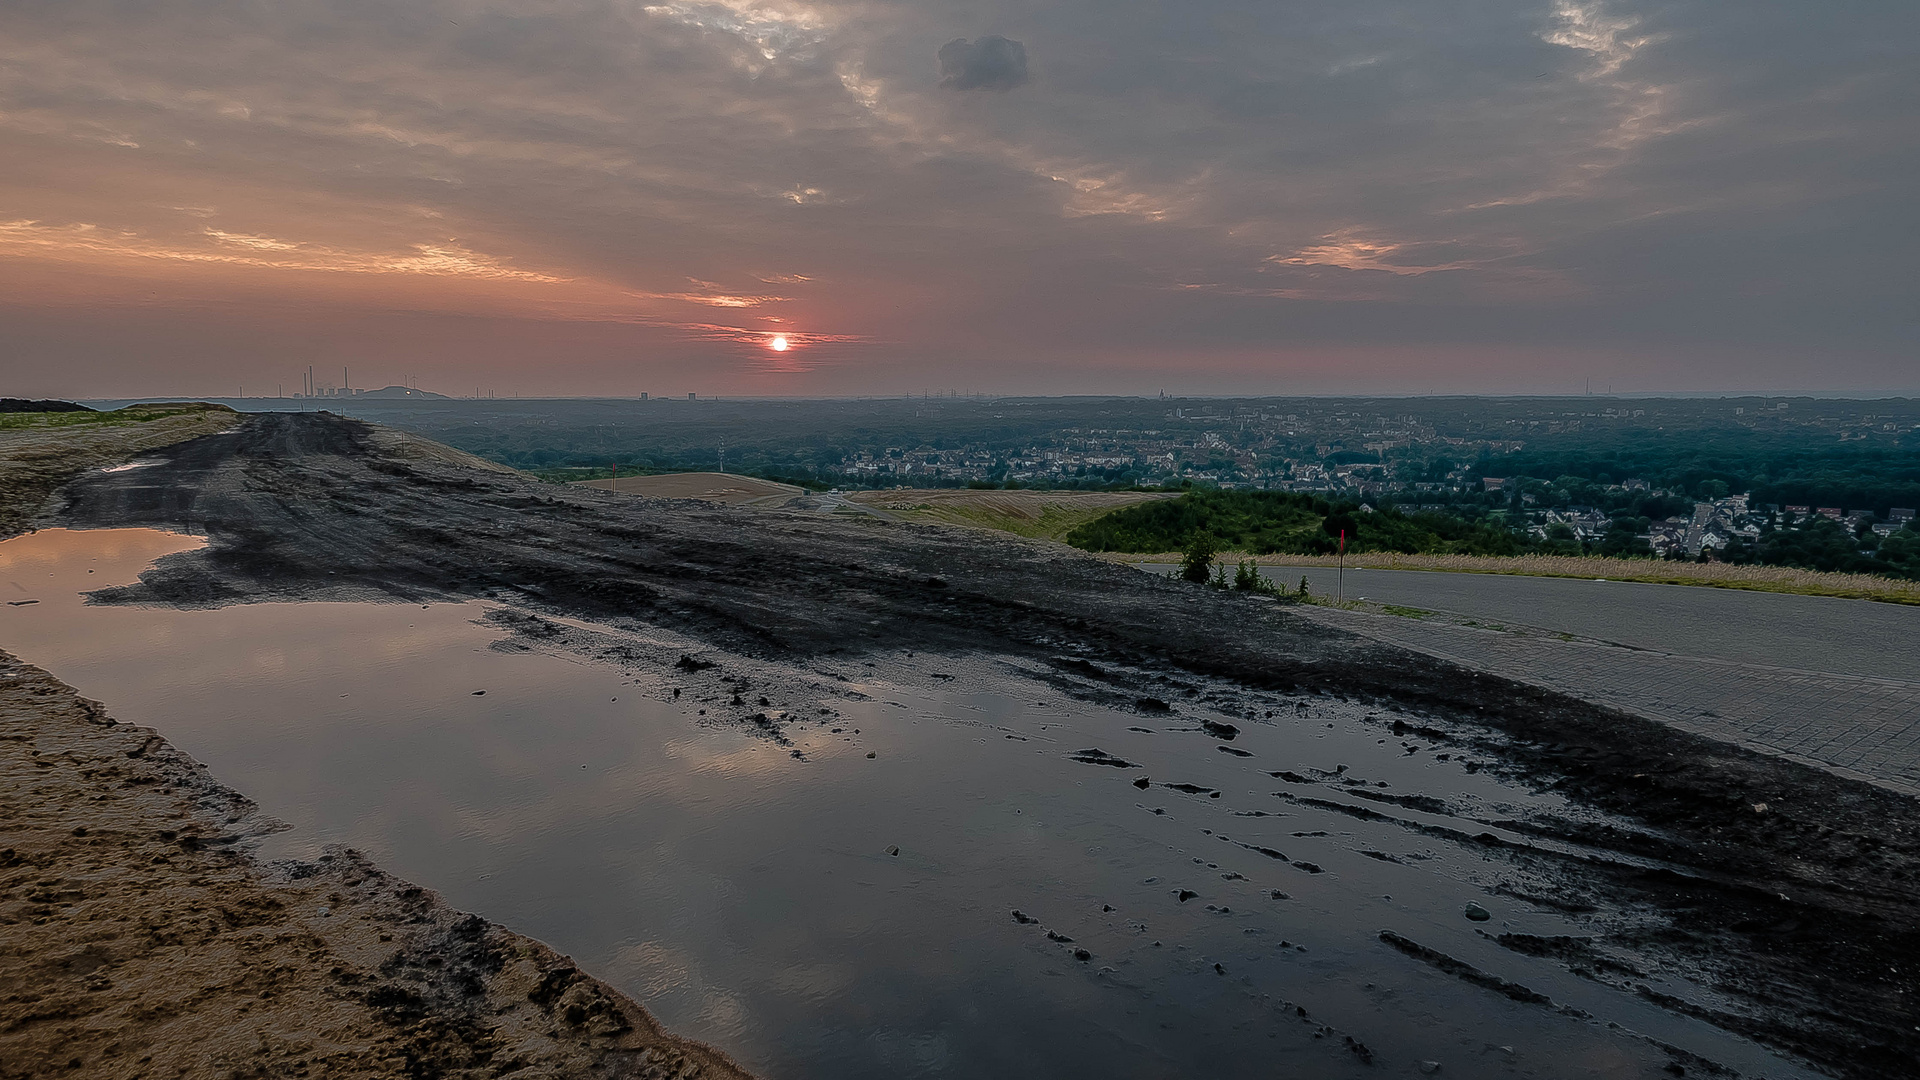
[{"x": 957, "y": 876}]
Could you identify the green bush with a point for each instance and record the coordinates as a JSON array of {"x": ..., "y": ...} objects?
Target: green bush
[
  {"x": 1278, "y": 522},
  {"x": 1196, "y": 564}
]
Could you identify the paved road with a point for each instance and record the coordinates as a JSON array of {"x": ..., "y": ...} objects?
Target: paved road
[
  {"x": 1818, "y": 633},
  {"x": 1834, "y": 682}
]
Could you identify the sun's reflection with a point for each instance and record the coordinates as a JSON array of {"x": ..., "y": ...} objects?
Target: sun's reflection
[{"x": 87, "y": 560}]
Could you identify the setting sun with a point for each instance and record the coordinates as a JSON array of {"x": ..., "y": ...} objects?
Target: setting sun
[{"x": 778, "y": 344}]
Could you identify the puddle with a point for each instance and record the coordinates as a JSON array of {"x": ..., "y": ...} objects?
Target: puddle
[
  {"x": 132, "y": 465},
  {"x": 852, "y": 912}
]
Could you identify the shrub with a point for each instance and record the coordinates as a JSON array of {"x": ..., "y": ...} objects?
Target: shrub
[{"x": 1197, "y": 563}]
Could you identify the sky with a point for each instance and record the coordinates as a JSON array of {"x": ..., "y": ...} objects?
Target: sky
[{"x": 571, "y": 197}]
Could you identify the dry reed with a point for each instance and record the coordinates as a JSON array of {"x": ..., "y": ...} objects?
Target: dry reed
[{"x": 1785, "y": 579}]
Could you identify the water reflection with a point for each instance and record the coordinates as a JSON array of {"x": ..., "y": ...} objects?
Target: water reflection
[{"x": 749, "y": 897}]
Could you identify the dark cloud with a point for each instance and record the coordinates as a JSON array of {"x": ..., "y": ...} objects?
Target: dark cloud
[{"x": 991, "y": 63}]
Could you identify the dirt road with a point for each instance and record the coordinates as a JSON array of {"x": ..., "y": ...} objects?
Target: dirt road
[
  {"x": 1793, "y": 893},
  {"x": 38, "y": 453}
]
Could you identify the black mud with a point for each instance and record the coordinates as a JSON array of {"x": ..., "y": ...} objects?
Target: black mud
[{"x": 1787, "y": 890}]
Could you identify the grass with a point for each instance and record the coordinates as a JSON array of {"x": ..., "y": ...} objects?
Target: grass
[
  {"x": 1040, "y": 515},
  {"x": 1777, "y": 579},
  {"x": 1405, "y": 612},
  {"x": 132, "y": 414}
]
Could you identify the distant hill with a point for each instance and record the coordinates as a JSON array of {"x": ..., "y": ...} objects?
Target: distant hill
[
  {"x": 14, "y": 404},
  {"x": 402, "y": 392},
  {"x": 708, "y": 486},
  {"x": 1046, "y": 515}
]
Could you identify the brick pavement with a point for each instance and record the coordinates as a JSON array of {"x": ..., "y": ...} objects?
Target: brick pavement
[{"x": 1868, "y": 728}]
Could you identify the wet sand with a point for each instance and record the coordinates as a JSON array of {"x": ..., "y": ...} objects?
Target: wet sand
[{"x": 140, "y": 936}]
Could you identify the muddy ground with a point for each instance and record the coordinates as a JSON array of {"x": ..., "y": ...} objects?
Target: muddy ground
[
  {"x": 45, "y": 452},
  {"x": 1786, "y": 890}
]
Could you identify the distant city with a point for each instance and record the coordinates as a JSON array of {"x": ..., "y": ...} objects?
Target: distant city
[{"x": 1824, "y": 482}]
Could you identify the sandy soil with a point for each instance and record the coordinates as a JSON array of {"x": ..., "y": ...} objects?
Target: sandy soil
[
  {"x": 706, "y": 486},
  {"x": 1787, "y": 890},
  {"x": 140, "y": 938}
]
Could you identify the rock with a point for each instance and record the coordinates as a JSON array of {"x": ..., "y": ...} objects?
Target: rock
[
  {"x": 893, "y": 849},
  {"x": 1082, "y": 955},
  {"x": 1186, "y": 895},
  {"x": 1429, "y": 1067},
  {"x": 479, "y": 693},
  {"x": 1219, "y": 730},
  {"x": 870, "y": 753},
  {"x": 1478, "y": 913},
  {"x": 1023, "y": 918},
  {"x": 1093, "y": 755},
  {"x": 1143, "y": 783}
]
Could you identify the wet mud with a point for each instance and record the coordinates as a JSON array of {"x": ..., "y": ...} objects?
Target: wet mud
[{"x": 1782, "y": 897}]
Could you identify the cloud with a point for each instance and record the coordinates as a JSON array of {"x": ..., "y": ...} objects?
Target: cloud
[
  {"x": 991, "y": 63},
  {"x": 1200, "y": 184}
]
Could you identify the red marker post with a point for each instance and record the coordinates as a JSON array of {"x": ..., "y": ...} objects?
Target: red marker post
[{"x": 1340, "y": 588}]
